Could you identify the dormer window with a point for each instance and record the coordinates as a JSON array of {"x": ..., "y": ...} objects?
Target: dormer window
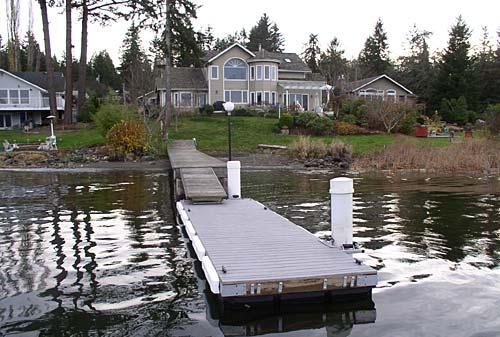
[{"x": 235, "y": 69}]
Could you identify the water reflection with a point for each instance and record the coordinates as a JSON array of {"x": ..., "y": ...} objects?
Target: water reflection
[{"x": 99, "y": 254}]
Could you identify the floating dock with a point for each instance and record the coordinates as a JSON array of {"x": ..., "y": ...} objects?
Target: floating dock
[{"x": 247, "y": 251}]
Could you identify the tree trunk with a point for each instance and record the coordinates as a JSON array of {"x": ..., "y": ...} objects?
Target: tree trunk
[
  {"x": 68, "y": 109},
  {"x": 82, "y": 71},
  {"x": 168, "y": 84},
  {"x": 48, "y": 59}
]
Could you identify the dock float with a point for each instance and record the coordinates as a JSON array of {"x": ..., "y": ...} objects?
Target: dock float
[{"x": 248, "y": 252}]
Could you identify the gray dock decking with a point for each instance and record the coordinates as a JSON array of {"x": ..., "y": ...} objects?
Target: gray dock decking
[
  {"x": 245, "y": 248},
  {"x": 248, "y": 244},
  {"x": 202, "y": 185},
  {"x": 183, "y": 154},
  {"x": 195, "y": 170}
]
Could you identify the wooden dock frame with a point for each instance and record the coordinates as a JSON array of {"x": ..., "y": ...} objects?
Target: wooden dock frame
[{"x": 250, "y": 253}]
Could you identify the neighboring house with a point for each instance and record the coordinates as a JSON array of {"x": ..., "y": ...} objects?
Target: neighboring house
[
  {"x": 24, "y": 98},
  {"x": 246, "y": 78},
  {"x": 380, "y": 87}
]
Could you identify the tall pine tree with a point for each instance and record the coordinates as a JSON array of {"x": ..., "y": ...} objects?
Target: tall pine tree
[
  {"x": 415, "y": 68},
  {"x": 374, "y": 57},
  {"x": 265, "y": 34},
  {"x": 186, "y": 42},
  {"x": 333, "y": 65},
  {"x": 312, "y": 53},
  {"x": 135, "y": 67},
  {"x": 484, "y": 68},
  {"x": 454, "y": 74}
]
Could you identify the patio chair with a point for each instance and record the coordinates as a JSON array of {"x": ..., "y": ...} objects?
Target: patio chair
[{"x": 8, "y": 147}]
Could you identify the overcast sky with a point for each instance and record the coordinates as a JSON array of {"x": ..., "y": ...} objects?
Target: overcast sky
[{"x": 350, "y": 21}]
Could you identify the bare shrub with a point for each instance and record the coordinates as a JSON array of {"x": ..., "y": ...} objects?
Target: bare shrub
[
  {"x": 300, "y": 148},
  {"x": 340, "y": 151},
  {"x": 305, "y": 148},
  {"x": 386, "y": 114}
]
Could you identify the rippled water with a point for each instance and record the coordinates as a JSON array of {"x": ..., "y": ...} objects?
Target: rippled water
[{"x": 98, "y": 254}]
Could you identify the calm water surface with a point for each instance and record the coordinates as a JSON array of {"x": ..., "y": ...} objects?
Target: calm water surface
[{"x": 98, "y": 254}]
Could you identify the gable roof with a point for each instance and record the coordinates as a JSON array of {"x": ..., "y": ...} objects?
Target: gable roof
[
  {"x": 218, "y": 54},
  {"x": 360, "y": 84},
  {"x": 183, "y": 78},
  {"x": 287, "y": 61},
  {"x": 38, "y": 80}
]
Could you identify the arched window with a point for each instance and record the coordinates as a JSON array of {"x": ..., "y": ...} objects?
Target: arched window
[
  {"x": 235, "y": 69},
  {"x": 391, "y": 94}
]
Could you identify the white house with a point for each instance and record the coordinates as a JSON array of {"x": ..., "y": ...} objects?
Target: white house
[{"x": 24, "y": 98}]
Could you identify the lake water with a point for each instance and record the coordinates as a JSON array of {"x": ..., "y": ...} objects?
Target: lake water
[{"x": 99, "y": 254}]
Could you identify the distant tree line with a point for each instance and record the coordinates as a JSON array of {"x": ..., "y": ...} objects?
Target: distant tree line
[
  {"x": 458, "y": 81},
  {"x": 455, "y": 81}
]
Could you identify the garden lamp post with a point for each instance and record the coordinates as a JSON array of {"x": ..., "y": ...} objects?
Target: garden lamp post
[{"x": 229, "y": 107}]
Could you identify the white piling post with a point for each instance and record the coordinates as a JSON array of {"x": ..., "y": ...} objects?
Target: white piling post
[
  {"x": 233, "y": 179},
  {"x": 341, "y": 190}
]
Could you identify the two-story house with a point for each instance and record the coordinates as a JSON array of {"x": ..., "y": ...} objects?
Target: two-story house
[
  {"x": 246, "y": 78},
  {"x": 24, "y": 98}
]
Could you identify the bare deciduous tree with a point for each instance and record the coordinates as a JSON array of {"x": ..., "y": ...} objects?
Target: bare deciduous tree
[{"x": 389, "y": 113}]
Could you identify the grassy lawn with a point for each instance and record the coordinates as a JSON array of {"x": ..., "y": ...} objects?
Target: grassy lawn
[
  {"x": 211, "y": 134},
  {"x": 71, "y": 139},
  {"x": 248, "y": 132}
]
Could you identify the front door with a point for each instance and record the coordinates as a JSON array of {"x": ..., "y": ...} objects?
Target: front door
[
  {"x": 259, "y": 98},
  {"x": 305, "y": 102}
]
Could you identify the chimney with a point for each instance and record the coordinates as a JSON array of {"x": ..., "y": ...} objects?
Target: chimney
[{"x": 260, "y": 46}]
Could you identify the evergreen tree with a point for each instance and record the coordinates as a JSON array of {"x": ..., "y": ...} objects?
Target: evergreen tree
[
  {"x": 454, "y": 74},
  {"x": 415, "y": 68},
  {"x": 135, "y": 68},
  {"x": 312, "y": 53},
  {"x": 186, "y": 43},
  {"x": 104, "y": 70},
  {"x": 238, "y": 37},
  {"x": 374, "y": 57},
  {"x": 496, "y": 70},
  {"x": 265, "y": 34},
  {"x": 333, "y": 65},
  {"x": 484, "y": 68}
]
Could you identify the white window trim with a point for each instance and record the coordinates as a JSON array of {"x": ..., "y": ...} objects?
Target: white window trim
[
  {"x": 257, "y": 73},
  {"x": 242, "y": 96},
  {"x": 252, "y": 76},
  {"x": 268, "y": 67},
  {"x": 274, "y": 71},
  {"x": 269, "y": 98},
  {"x": 254, "y": 100},
  {"x": 190, "y": 101},
  {"x": 9, "y": 102},
  {"x": 211, "y": 72},
  {"x": 235, "y": 80},
  {"x": 273, "y": 97},
  {"x": 261, "y": 97}
]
